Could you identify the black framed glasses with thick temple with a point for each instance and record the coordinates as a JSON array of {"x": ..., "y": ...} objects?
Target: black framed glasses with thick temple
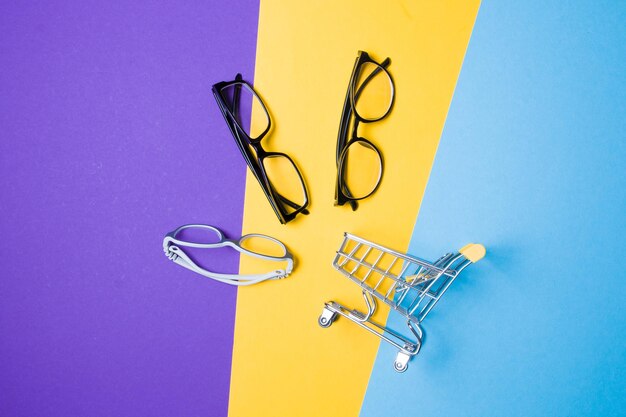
[
  {"x": 370, "y": 97},
  {"x": 276, "y": 172}
]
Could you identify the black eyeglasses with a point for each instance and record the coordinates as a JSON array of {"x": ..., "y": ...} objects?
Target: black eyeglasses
[
  {"x": 370, "y": 97},
  {"x": 276, "y": 172}
]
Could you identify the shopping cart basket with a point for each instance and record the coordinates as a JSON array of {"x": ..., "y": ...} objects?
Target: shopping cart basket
[{"x": 409, "y": 285}]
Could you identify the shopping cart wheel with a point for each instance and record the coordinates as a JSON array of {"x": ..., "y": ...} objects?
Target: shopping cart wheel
[
  {"x": 401, "y": 363},
  {"x": 400, "y": 367},
  {"x": 327, "y": 318}
]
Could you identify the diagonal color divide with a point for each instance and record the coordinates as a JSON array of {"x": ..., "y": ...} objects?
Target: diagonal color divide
[{"x": 284, "y": 364}]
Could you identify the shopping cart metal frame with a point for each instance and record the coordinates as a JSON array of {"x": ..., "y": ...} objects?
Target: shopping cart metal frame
[{"x": 412, "y": 292}]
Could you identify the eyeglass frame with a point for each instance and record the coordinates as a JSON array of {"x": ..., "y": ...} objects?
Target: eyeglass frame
[
  {"x": 255, "y": 162},
  {"x": 173, "y": 248},
  {"x": 349, "y": 110}
]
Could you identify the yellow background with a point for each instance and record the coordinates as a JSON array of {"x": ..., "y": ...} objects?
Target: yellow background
[{"x": 284, "y": 364}]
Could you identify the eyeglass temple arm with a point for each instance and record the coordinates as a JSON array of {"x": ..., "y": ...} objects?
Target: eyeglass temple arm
[
  {"x": 181, "y": 258},
  {"x": 234, "y": 108},
  {"x": 236, "y": 94}
]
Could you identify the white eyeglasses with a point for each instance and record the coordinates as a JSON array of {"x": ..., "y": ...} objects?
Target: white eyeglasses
[{"x": 256, "y": 245}]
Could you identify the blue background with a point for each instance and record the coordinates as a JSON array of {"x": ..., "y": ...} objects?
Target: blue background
[{"x": 531, "y": 164}]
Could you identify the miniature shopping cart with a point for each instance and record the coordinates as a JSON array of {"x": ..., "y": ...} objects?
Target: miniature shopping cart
[{"x": 409, "y": 285}]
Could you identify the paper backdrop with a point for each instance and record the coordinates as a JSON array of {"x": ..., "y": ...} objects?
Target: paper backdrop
[{"x": 110, "y": 138}]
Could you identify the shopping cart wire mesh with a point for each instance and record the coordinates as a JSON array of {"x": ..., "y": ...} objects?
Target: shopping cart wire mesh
[{"x": 408, "y": 285}]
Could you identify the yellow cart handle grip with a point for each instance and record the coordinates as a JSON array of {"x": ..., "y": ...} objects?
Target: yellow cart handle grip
[{"x": 473, "y": 251}]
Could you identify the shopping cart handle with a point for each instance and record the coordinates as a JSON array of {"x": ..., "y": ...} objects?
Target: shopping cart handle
[{"x": 473, "y": 251}]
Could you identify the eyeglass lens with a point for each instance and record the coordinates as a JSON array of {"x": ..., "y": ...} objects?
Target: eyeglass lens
[
  {"x": 361, "y": 167},
  {"x": 285, "y": 181},
  {"x": 372, "y": 92},
  {"x": 248, "y": 104},
  {"x": 262, "y": 245},
  {"x": 201, "y": 235}
]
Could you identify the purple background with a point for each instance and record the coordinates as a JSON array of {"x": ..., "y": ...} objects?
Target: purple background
[{"x": 110, "y": 137}]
